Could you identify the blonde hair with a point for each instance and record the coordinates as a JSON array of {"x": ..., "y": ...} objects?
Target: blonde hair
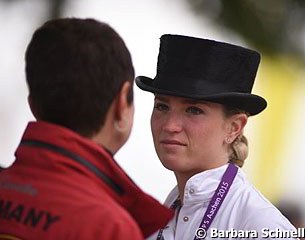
[
  {"x": 239, "y": 151},
  {"x": 239, "y": 147}
]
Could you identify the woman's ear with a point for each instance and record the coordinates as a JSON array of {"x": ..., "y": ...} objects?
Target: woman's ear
[{"x": 237, "y": 124}]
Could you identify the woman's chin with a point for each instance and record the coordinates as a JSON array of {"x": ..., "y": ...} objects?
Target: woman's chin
[{"x": 173, "y": 165}]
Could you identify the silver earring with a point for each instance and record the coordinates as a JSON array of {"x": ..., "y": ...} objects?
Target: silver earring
[{"x": 228, "y": 140}]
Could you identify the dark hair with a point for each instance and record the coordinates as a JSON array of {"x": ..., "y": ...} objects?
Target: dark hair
[{"x": 74, "y": 69}]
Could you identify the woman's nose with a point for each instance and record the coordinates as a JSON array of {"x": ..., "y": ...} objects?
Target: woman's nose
[{"x": 172, "y": 123}]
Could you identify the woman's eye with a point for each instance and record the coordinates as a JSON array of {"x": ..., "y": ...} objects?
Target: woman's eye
[
  {"x": 161, "y": 107},
  {"x": 194, "y": 110}
]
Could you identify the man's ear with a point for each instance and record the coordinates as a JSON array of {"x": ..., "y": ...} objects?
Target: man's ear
[
  {"x": 123, "y": 109},
  {"x": 237, "y": 124}
]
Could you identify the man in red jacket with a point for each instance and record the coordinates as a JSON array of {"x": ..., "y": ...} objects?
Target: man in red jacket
[{"x": 65, "y": 183}]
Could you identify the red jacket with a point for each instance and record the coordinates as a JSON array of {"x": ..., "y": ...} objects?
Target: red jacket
[{"x": 64, "y": 186}]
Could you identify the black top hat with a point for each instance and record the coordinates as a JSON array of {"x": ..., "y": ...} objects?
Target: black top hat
[{"x": 208, "y": 70}]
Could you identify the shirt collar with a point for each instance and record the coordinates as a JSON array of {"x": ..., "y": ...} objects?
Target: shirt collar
[{"x": 201, "y": 186}]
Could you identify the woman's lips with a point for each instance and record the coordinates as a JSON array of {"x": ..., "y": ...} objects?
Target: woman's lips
[{"x": 172, "y": 142}]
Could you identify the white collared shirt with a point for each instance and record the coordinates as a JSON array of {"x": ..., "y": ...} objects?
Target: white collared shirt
[{"x": 244, "y": 208}]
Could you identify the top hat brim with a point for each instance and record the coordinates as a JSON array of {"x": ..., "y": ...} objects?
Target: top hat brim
[{"x": 251, "y": 103}]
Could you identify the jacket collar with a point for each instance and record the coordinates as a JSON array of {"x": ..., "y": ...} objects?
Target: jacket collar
[{"x": 133, "y": 199}]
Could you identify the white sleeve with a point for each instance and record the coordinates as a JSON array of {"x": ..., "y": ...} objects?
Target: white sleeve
[{"x": 270, "y": 224}]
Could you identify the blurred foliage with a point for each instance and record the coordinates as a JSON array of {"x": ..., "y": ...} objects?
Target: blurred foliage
[
  {"x": 272, "y": 26},
  {"x": 55, "y": 7}
]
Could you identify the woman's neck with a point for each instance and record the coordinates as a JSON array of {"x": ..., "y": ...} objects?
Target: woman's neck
[
  {"x": 183, "y": 177},
  {"x": 181, "y": 182}
]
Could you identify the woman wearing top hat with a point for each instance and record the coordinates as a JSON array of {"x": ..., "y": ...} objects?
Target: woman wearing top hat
[{"x": 202, "y": 103}]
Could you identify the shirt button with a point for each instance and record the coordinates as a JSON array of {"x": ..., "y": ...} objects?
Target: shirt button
[
  {"x": 185, "y": 219},
  {"x": 192, "y": 190}
]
